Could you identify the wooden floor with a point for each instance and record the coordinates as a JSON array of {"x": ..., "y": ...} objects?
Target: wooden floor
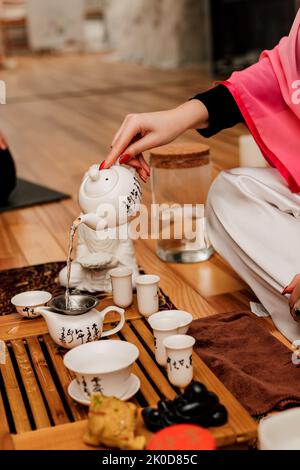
[{"x": 60, "y": 116}]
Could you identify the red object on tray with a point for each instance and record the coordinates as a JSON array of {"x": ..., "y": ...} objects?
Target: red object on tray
[{"x": 182, "y": 437}]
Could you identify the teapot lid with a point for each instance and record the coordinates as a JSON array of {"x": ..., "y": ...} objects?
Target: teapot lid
[{"x": 100, "y": 183}]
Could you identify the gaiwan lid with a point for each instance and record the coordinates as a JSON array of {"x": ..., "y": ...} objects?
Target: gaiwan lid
[{"x": 182, "y": 437}]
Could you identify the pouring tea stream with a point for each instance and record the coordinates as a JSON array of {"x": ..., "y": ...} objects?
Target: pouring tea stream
[{"x": 73, "y": 229}]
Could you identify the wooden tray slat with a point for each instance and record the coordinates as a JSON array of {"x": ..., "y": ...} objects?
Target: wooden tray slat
[
  {"x": 79, "y": 412},
  {"x": 34, "y": 395},
  {"x": 147, "y": 390},
  {"x": 4, "y": 427},
  {"x": 13, "y": 326},
  {"x": 145, "y": 333},
  {"x": 54, "y": 402},
  {"x": 148, "y": 363},
  {"x": 14, "y": 396}
]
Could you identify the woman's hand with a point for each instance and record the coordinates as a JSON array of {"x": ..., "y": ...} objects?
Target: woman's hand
[
  {"x": 294, "y": 289},
  {"x": 141, "y": 132}
]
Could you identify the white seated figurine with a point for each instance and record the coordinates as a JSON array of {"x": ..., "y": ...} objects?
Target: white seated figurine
[{"x": 108, "y": 199}]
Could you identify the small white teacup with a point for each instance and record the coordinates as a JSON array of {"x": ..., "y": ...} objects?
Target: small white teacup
[
  {"x": 184, "y": 318},
  {"x": 27, "y": 302},
  {"x": 162, "y": 328},
  {"x": 147, "y": 294},
  {"x": 102, "y": 366},
  {"x": 179, "y": 351},
  {"x": 121, "y": 281}
]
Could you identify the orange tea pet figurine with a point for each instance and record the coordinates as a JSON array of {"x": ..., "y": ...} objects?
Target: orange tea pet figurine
[{"x": 112, "y": 422}]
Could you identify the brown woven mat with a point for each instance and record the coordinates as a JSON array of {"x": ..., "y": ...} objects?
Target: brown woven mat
[
  {"x": 249, "y": 361},
  {"x": 42, "y": 277}
]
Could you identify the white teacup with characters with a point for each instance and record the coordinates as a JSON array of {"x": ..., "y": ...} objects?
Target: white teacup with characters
[
  {"x": 179, "y": 351},
  {"x": 26, "y": 303},
  {"x": 162, "y": 328}
]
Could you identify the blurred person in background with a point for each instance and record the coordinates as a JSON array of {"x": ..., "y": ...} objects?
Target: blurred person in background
[
  {"x": 253, "y": 213},
  {"x": 7, "y": 171},
  {"x": 7, "y": 166}
]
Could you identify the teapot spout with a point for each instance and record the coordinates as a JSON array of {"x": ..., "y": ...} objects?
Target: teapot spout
[{"x": 93, "y": 221}]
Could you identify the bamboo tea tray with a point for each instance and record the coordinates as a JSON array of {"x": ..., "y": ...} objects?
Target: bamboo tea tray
[{"x": 36, "y": 411}]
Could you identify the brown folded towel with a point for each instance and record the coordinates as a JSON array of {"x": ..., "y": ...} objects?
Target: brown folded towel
[{"x": 250, "y": 362}]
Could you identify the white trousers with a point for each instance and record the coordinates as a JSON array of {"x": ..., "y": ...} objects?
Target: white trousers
[{"x": 254, "y": 223}]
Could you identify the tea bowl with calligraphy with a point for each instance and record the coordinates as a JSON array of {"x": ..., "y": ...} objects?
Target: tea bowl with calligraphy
[
  {"x": 102, "y": 366},
  {"x": 184, "y": 319},
  {"x": 26, "y": 303},
  {"x": 69, "y": 331}
]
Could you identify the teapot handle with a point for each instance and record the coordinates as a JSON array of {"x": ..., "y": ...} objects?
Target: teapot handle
[{"x": 121, "y": 323}]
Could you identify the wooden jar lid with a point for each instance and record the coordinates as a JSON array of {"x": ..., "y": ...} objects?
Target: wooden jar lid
[{"x": 180, "y": 155}]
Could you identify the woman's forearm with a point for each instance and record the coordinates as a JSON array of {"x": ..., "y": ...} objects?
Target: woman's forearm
[
  {"x": 208, "y": 112},
  {"x": 194, "y": 114}
]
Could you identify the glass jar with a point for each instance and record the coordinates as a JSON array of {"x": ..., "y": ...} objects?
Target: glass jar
[{"x": 181, "y": 176}]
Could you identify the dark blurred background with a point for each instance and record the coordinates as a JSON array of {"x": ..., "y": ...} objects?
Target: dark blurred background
[
  {"x": 241, "y": 29},
  {"x": 225, "y": 35}
]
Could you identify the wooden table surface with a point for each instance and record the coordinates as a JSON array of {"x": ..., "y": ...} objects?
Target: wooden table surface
[{"x": 60, "y": 118}]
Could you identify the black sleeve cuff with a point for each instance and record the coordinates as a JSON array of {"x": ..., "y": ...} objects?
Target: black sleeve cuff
[{"x": 222, "y": 109}]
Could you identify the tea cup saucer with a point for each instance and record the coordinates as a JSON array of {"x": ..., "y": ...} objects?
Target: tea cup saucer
[{"x": 76, "y": 394}]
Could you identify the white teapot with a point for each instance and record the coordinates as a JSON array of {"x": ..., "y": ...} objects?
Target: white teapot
[
  {"x": 109, "y": 198},
  {"x": 70, "y": 331}
]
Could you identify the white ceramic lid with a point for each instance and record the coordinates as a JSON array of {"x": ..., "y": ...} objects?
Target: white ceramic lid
[{"x": 100, "y": 183}]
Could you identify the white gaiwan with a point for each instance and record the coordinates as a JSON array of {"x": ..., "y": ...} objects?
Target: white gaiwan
[{"x": 108, "y": 199}]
